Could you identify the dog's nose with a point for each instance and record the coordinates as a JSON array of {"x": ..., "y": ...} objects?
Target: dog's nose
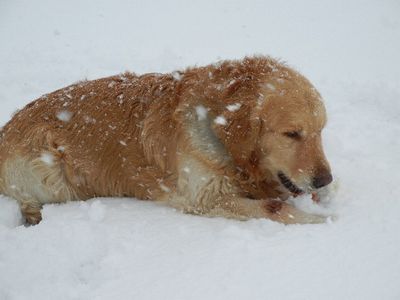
[{"x": 320, "y": 181}]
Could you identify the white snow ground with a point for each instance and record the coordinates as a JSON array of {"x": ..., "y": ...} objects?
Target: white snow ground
[{"x": 127, "y": 249}]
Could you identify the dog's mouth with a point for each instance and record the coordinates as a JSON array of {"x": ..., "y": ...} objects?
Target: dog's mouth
[{"x": 288, "y": 184}]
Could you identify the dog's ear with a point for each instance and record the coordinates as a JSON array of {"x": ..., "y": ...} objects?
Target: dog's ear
[{"x": 239, "y": 131}]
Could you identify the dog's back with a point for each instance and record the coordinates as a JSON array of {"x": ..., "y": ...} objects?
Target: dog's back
[{"x": 73, "y": 143}]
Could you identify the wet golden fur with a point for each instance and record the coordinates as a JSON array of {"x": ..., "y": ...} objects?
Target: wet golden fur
[{"x": 207, "y": 140}]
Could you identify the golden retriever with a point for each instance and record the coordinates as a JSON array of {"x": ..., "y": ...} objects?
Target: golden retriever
[{"x": 231, "y": 139}]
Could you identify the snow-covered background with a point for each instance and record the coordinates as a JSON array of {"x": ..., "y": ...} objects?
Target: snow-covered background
[{"x": 128, "y": 249}]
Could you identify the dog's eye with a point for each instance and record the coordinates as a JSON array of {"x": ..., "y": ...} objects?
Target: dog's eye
[{"x": 293, "y": 135}]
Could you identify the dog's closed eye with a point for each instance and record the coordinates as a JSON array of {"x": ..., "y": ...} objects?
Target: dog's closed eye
[{"x": 296, "y": 135}]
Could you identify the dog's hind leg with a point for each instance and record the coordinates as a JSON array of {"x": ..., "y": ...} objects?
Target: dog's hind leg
[
  {"x": 30, "y": 210},
  {"x": 36, "y": 181}
]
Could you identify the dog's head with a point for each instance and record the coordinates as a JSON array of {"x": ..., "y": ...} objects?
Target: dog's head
[
  {"x": 278, "y": 135},
  {"x": 292, "y": 119}
]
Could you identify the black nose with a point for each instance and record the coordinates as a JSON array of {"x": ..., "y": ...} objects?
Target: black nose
[{"x": 320, "y": 181}]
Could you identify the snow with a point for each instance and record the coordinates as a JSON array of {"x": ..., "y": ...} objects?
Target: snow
[
  {"x": 220, "y": 120},
  {"x": 47, "y": 158},
  {"x": 176, "y": 75},
  {"x": 270, "y": 86},
  {"x": 61, "y": 149},
  {"x": 129, "y": 249},
  {"x": 201, "y": 112},
  {"x": 64, "y": 115},
  {"x": 164, "y": 188},
  {"x": 120, "y": 99},
  {"x": 233, "y": 107}
]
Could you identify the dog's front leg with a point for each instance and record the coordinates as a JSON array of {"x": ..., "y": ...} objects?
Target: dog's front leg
[
  {"x": 231, "y": 206},
  {"x": 201, "y": 191}
]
